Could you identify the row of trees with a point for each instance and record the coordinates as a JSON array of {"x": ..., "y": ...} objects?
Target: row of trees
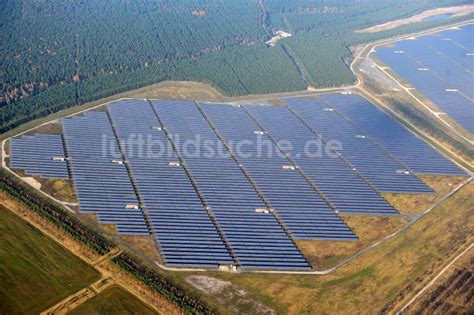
[
  {"x": 43, "y": 41},
  {"x": 53, "y": 213},
  {"x": 85, "y": 234},
  {"x": 163, "y": 285},
  {"x": 234, "y": 71},
  {"x": 75, "y": 52}
]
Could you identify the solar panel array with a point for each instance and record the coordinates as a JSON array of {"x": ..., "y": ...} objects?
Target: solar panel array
[
  {"x": 39, "y": 155},
  {"x": 348, "y": 192},
  {"x": 210, "y": 202},
  {"x": 440, "y": 67},
  {"x": 257, "y": 238},
  {"x": 378, "y": 166},
  {"x": 302, "y": 210},
  {"x": 416, "y": 154},
  {"x": 100, "y": 177},
  {"x": 184, "y": 230}
]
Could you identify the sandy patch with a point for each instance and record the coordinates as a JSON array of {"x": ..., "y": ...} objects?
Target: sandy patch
[
  {"x": 238, "y": 300},
  {"x": 32, "y": 182},
  {"x": 456, "y": 11}
]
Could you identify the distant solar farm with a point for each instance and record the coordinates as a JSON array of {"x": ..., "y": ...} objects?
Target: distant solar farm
[
  {"x": 246, "y": 210},
  {"x": 440, "y": 67}
]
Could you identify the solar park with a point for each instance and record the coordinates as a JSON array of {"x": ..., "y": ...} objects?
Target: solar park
[
  {"x": 233, "y": 209},
  {"x": 439, "y": 66}
]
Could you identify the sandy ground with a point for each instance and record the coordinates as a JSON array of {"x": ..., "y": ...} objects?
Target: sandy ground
[
  {"x": 208, "y": 285},
  {"x": 456, "y": 11},
  {"x": 32, "y": 182},
  {"x": 368, "y": 67},
  {"x": 226, "y": 293}
]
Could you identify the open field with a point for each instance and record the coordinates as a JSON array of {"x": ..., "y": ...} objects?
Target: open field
[
  {"x": 144, "y": 243},
  {"x": 36, "y": 272},
  {"x": 111, "y": 273},
  {"x": 390, "y": 272},
  {"x": 58, "y": 188},
  {"x": 452, "y": 292},
  {"x": 420, "y": 203},
  {"x": 113, "y": 300},
  {"x": 370, "y": 229},
  {"x": 52, "y": 128}
]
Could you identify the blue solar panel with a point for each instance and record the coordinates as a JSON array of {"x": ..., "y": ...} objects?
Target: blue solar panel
[
  {"x": 206, "y": 206},
  {"x": 449, "y": 49},
  {"x": 101, "y": 181},
  {"x": 256, "y": 238},
  {"x": 173, "y": 206},
  {"x": 348, "y": 192},
  {"x": 362, "y": 152},
  {"x": 302, "y": 210},
  {"x": 39, "y": 155},
  {"x": 441, "y": 68},
  {"x": 407, "y": 147}
]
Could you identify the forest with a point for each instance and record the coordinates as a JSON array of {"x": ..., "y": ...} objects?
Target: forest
[{"x": 57, "y": 54}]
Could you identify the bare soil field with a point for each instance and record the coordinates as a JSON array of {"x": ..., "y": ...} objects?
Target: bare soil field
[{"x": 236, "y": 299}]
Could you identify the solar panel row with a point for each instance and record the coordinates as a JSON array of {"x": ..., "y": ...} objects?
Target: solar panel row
[
  {"x": 304, "y": 212},
  {"x": 408, "y": 148},
  {"x": 440, "y": 67},
  {"x": 383, "y": 171},
  {"x": 348, "y": 192},
  {"x": 100, "y": 177},
  {"x": 209, "y": 208},
  {"x": 39, "y": 155},
  {"x": 184, "y": 230},
  {"x": 256, "y": 237},
  {"x": 456, "y": 51}
]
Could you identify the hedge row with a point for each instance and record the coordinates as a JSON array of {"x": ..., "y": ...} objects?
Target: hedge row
[
  {"x": 54, "y": 214},
  {"x": 61, "y": 218},
  {"x": 163, "y": 285}
]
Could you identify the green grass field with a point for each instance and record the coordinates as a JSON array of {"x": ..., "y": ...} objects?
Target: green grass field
[
  {"x": 113, "y": 300},
  {"x": 35, "y": 271}
]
